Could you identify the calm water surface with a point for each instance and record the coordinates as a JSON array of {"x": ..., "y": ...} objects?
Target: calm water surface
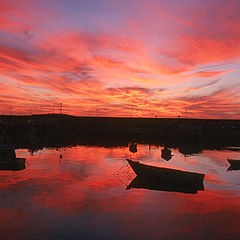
[{"x": 83, "y": 195}]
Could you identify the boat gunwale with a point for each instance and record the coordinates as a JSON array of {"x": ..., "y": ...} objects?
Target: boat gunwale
[
  {"x": 234, "y": 161},
  {"x": 164, "y": 168}
]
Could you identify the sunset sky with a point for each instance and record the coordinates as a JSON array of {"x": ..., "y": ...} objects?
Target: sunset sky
[{"x": 120, "y": 57}]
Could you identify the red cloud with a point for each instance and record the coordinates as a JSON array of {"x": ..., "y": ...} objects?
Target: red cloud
[
  {"x": 112, "y": 70},
  {"x": 213, "y": 35}
]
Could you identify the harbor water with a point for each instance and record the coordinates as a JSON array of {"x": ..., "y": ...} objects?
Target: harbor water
[{"x": 80, "y": 192}]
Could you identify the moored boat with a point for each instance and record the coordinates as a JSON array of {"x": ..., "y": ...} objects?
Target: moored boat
[
  {"x": 166, "y": 154},
  {"x": 158, "y": 174},
  {"x": 234, "y": 162},
  {"x": 133, "y": 147}
]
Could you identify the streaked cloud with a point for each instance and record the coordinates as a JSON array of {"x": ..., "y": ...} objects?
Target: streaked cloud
[{"x": 155, "y": 57}]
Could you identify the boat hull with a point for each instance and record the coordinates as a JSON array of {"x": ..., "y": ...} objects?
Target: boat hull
[{"x": 234, "y": 162}]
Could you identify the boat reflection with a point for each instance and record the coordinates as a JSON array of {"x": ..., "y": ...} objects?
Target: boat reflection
[
  {"x": 165, "y": 185},
  {"x": 233, "y": 149},
  {"x": 231, "y": 168}
]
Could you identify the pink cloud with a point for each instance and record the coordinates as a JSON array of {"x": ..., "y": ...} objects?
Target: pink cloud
[
  {"x": 137, "y": 65},
  {"x": 213, "y": 36}
]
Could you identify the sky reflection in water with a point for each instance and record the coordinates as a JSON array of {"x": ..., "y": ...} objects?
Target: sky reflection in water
[{"x": 83, "y": 196}]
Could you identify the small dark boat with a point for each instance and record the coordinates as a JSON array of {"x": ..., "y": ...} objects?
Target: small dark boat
[
  {"x": 165, "y": 185},
  {"x": 166, "y": 154},
  {"x": 234, "y": 162},
  {"x": 158, "y": 174},
  {"x": 133, "y": 147},
  {"x": 8, "y": 160}
]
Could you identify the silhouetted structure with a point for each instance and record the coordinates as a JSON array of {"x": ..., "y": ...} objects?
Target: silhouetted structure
[
  {"x": 165, "y": 185},
  {"x": 133, "y": 147},
  {"x": 166, "y": 154},
  {"x": 190, "y": 148},
  {"x": 8, "y": 160}
]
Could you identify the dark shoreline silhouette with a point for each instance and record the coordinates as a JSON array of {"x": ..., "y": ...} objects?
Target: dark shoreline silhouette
[{"x": 58, "y": 130}]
